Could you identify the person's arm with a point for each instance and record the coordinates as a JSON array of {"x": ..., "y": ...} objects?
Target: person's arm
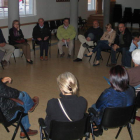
[
  {"x": 128, "y": 40},
  {"x": 99, "y": 35},
  {"x": 132, "y": 47},
  {"x": 73, "y": 33},
  {"x": 12, "y": 36},
  {"x": 2, "y": 37},
  {"x": 86, "y": 34},
  {"x": 103, "y": 36},
  {"x": 112, "y": 37},
  {"x": 59, "y": 36},
  {"x": 21, "y": 34},
  {"x": 35, "y": 33}
]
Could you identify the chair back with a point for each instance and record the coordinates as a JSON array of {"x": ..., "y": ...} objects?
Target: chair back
[
  {"x": 138, "y": 100},
  {"x": 58, "y": 23},
  {"x": 46, "y": 24},
  {"x": 116, "y": 116},
  {"x": 68, "y": 130},
  {"x": 52, "y": 25},
  {"x": 2, "y": 53}
]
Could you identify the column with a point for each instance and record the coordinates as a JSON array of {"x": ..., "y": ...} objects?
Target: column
[
  {"x": 99, "y": 7},
  {"x": 13, "y": 11},
  {"x": 74, "y": 14},
  {"x": 106, "y": 12}
]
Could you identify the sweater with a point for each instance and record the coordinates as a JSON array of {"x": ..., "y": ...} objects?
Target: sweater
[
  {"x": 2, "y": 39},
  {"x": 68, "y": 33}
]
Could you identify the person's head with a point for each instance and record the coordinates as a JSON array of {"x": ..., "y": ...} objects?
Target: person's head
[
  {"x": 136, "y": 57},
  {"x": 108, "y": 27},
  {"x": 119, "y": 78},
  {"x": 66, "y": 22},
  {"x": 95, "y": 24},
  {"x": 16, "y": 24},
  {"x": 41, "y": 21},
  {"x": 136, "y": 36},
  {"x": 122, "y": 27},
  {"x": 67, "y": 83}
]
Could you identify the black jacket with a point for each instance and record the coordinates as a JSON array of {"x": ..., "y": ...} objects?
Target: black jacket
[
  {"x": 13, "y": 38},
  {"x": 8, "y": 106},
  {"x": 41, "y": 33},
  {"x": 127, "y": 37},
  {"x": 98, "y": 32},
  {"x": 74, "y": 106},
  {"x": 2, "y": 39}
]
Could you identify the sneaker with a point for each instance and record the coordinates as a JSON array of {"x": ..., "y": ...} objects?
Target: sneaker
[
  {"x": 30, "y": 133},
  {"x": 41, "y": 58},
  {"x": 77, "y": 60},
  {"x": 36, "y": 102}
]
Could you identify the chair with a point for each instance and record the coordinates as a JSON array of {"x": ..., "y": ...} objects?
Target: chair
[
  {"x": 58, "y": 23},
  {"x": 127, "y": 17},
  {"x": 81, "y": 23},
  {"x": 114, "y": 117},
  {"x": 52, "y": 26},
  {"x": 1, "y": 57},
  {"x": 65, "y": 130},
  {"x": 17, "y": 120},
  {"x": 117, "y": 13}
]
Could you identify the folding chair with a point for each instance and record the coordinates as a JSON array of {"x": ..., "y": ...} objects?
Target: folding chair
[
  {"x": 17, "y": 120},
  {"x": 1, "y": 57}
]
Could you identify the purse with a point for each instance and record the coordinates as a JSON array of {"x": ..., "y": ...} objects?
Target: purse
[
  {"x": 20, "y": 41},
  {"x": 64, "y": 110}
]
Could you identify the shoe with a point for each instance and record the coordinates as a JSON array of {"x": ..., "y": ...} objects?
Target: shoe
[
  {"x": 137, "y": 118},
  {"x": 46, "y": 58},
  {"x": 61, "y": 55},
  {"x": 30, "y": 62},
  {"x": 111, "y": 65},
  {"x": 41, "y": 58},
  {"x": 85, "y": 45},
  {"x": 77, "y": 60},
  {"x": 87, "y": 55},
  {"x": 36, "y": 102},
  {"x": 98, "y": 132},
  {"x": 96, "y": 64},
  {"x": 4, "y": 62},
  {"x": 30, "y": 133},
  {"x": 69, "y": 56}
]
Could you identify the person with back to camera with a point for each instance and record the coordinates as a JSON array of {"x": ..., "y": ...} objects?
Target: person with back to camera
[
  {"x": 120, "y": 94},
  {"x": 17, "y": 39},
  {"x": 75, "y": 106}
]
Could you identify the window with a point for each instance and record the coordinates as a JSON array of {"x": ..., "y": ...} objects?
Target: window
[
  {"x": 91, "y": 5},
  {"x": 26, "y": 8}
]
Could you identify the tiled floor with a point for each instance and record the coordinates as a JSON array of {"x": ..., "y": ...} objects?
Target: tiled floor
[{"x": 40, "y": 79}]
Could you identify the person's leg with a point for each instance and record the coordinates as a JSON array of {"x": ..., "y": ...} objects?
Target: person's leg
[
  {"x": 41, "y": 48},
  {"x": 9, "y": 51},
  {"x": 70, "y": 47},
  {"x": 60, "y": 44},
  {"x": 81, "y": 52},
  {"x": 82, "y": 39},
  {"x": 28, "y": 52},
  {"x": 128, "y": 59},
  {"x": 124, "y": 50},
  {"x": 45, "y": 43}
]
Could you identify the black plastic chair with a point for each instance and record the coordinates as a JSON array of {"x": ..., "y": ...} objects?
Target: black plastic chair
[
  {"x": 17, "y": 120},
  {"x": 117, "y": 13},
  {"x": 81, "y": 23},
  {"x": 127, "y": 17},
  {"x": 114, "y": 117},
  {"x": 65, "y": 130},
  {"x": 2, "y": 53},
  {"x": 58, "y": 23},
  {"x": 52, "y": 25}
]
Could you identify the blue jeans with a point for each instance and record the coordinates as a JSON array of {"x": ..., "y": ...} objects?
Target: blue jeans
[
  {"x": 102, "y": 45},
  {"x": 28, "y": 104},
  {"x": 128, "y": 59}
]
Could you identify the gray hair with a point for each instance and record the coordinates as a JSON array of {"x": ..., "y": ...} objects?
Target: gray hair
[
  {"x": 67, "y": 83},
  {"x": 136, "y": 56}
]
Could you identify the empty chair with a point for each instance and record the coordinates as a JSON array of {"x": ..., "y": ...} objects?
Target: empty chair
[
  {"x": 1, "y": 57},
  {"x": 58, "y": 23},
  {"x": 127, "y": 17},
  {"x": 117, "y": 13},
  {"x": 52, "y": 26}
]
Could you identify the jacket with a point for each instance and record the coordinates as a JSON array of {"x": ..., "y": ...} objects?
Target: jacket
[
  {"x": 13, "y": 38},
  {"x": 41, "y": 33},
  {"x": 2, "y": 39},
  {"x": 127, "y": 37},
  {"x": 74, "y": 106},
  {"x": 8, "y": 106},
  {"x": 68, "y": 33}
]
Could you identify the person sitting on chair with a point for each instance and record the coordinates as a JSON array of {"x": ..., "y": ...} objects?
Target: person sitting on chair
[
  {"x": 75, "y": 106},
  {"x": 17, "y": 39},
  {"x": 9, "y": 49},
  {"x": 66, "y": 34},
  {"x": 122, "y": 43},
  {"x": 42, "y": 35},
  {"x": 120, "y": 94},
  {"x": 135, "y": 44},
  {"x": 13, "y": 101},
  {"x": 91, "y": 36},
  {"x": 104, "y": 43}
]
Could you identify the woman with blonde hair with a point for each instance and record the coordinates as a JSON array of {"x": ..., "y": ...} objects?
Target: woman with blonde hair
[
  {"x": 104, "y": 43},
  {"x": 17, "y": 39},
  {"x": 70, "y": 106}
]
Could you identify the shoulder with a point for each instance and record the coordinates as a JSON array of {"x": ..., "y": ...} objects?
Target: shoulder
[
  {"x": 60, "y": 27},
  {"x": 11, "y": 29},
  {"x": 107, "y": 92}
]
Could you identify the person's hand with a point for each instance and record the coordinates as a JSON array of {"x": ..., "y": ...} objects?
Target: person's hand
[
  {"x": 45, "y": 38},
  {"x": 2, "y": 44},
  {"x": 63, "y": 40},
  {"x": 68, "y": 40},
  {"x": 135, "y": 43},
  {"x": 88, "y": 39},
  {"x": 39, "y": 39},
  {"x": 6, "y": 79},
  {"x": 115, "y": 47}
]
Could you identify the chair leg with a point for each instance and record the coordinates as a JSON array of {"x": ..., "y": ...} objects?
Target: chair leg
[
  {"x": 118, "y": 133},
  {"x": 58, "y": 53},
  {"x": 2, "y": 65},
  {"x": 108, "y": 59},
  {"x": 24, "y": 131},
  {"x": 130, "y": 130},
  {"x": 95, "y": 58},
  {"x": 14, "y": 57}
]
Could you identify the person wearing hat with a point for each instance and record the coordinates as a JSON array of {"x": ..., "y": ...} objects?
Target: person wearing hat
[
  {"x": 104, "y": 43},
  {"x": 91, "y": 36}
]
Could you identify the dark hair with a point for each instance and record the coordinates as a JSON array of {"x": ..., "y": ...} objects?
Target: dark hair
[
  {"x": 123, "y": 24},
  {"x": 135, "y": 34},
  {"x": 66, "y": 19},
  {"x": 40, "y": 19},
  {"x": 14, "y": 23},
  {"x": 119, "y": 78}
]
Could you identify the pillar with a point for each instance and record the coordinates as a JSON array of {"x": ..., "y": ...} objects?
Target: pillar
[
  {"x": 74, "y": 14},
  {"x": 99, "y": 7},
  {"x": 106, "y": 12},
  {"x": 13, "y": 11}
]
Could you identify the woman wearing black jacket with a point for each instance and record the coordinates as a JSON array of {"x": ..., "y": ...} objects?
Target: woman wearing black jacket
[{"x": 17, "y": 39}]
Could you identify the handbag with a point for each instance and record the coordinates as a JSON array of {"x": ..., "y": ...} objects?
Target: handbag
[
  {"x": 20, "y": 41},
  {"x": 64, "y": 110}
]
